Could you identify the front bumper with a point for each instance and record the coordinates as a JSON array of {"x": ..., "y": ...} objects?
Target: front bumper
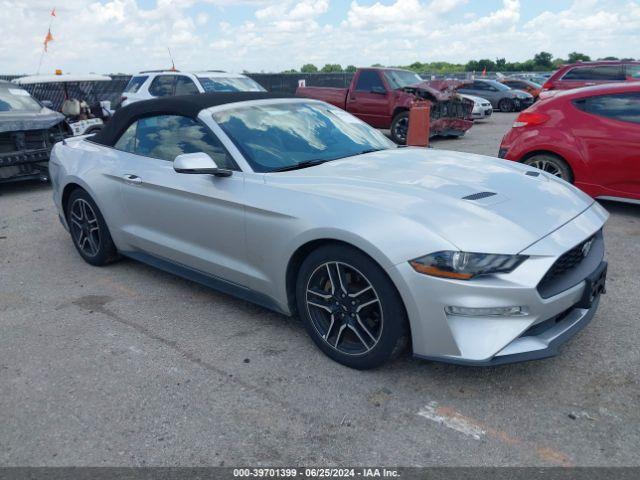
[
  {"x": 523, "y": 103},
  {"x": 495, "y": 340},
  {"x": 535, "y": 343},
  {"x": 481, "y": 112}
]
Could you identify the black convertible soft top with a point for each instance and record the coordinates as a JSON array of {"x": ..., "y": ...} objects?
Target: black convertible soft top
[{"x": 184, "y": 105}]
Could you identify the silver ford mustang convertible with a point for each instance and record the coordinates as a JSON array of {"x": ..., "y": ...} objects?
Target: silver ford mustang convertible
[{"x": 302, "y": 208}]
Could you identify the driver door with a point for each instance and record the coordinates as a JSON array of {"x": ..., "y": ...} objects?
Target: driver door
[
  {"x": 369, "y": 99},
  {"x": 190, "y": 220}
]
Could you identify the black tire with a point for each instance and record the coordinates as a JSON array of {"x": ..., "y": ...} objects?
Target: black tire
[
  {"x": 400, "y": 128},
  {"x": 551, "y": 164},
  {"x": 368, "y": 329},
  {"x": 506, "y": 105},
  {"x": 89, "y": 231}
]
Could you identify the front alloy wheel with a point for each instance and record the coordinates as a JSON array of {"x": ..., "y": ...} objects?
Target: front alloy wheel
[
  {"x": 350, "y": 307},
  {"x": 400, "y": 128},
  {"x": 344, "y": 308}
]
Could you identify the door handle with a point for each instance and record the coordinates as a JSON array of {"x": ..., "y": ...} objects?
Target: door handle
[{"x": 131, "y": 179}]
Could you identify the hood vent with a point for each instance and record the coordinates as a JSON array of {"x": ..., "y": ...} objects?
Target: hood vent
[
  {"x": 479, "y": 195},
  {"x": 531, "y": 173}
]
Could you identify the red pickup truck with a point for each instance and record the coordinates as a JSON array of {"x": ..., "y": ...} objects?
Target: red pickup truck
[{"x": 382, "y": 97}]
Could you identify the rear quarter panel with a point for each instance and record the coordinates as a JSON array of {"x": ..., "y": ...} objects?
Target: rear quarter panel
[
  {"x": 559, "y": 136},
  {"x": 94, "y": 168}
]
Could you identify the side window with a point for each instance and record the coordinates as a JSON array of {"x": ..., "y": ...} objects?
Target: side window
[
  {"x": 633, "y": 72},
  {"x": 480, "y": 86},
  {"x": 162, "y": 86},
  {"x": 135, "y": 83},
  {"x": 167, "y": 136},
  {"x": 624, "y": 107},
  {"x": 127, "y": 141},
  {"x": 602, "y": 73},
  {"x": 367, "y": 80},
  {"x": 185, "y": 86}
]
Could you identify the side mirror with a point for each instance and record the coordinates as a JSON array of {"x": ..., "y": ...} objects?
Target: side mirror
[
  {"x": 199, "y": 163},
  {"x": 47, "y": 104},
  {"x": 379, "y": 90}
]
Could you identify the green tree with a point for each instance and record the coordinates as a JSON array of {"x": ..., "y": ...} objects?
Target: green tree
[
  {"x": 351, "y": 69},
  {"x": 377, "y": 65},
  {"x": 501, "y": 63},
  {"x": 309, "y": 68},
  {"x": 543, "y": 59},
  {"x": 331, "y": 68},
  {"x": 609, "y": 58},
  {"x": 578, "y": 57}
]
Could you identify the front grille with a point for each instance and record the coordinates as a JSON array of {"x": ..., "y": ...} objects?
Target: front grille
[
  {"x": 35, "y": 139},
  {"x": 23, "y": 140},
  {"x": 564, "y": 272},
  {"x": 451, "y": 109},
  {"x": 28, "y": 146}
]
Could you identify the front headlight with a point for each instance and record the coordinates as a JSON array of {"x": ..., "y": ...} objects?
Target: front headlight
[{"x": 465, "y": 265}]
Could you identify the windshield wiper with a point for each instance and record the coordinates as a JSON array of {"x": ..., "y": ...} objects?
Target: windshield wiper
[{"x": 298, "y": 166}]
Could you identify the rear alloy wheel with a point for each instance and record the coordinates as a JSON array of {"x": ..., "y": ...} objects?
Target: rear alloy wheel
[
  {"x": 350, "y": 307},
  {"x": 88, "y": 230},
  {"x": 552, "y": 165},
  {"x": 506, "y": 105},
  {"x": 400, "y": 128}
]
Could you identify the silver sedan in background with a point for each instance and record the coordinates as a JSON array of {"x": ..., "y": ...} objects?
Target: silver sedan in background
[
  {"x": 300, "y": 207},
  {"x": 482, "y": 108}
]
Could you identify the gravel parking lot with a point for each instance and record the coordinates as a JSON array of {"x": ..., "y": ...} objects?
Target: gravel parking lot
[{"x": 127, "y": 365}]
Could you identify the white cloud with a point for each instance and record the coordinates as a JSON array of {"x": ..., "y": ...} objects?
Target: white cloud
[{"x": 120, "y": 36}]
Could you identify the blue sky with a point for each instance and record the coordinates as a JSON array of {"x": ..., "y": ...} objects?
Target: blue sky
[{"x": 273, "y": 35}]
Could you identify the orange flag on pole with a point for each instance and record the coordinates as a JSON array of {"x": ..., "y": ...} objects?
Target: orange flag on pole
[
  {"x": 47, "y": 39},
  {"x": 53, "y": 12},
  {"x": 484, "y": 72}
]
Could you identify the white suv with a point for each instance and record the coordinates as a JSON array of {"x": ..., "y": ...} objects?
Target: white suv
[{"x": 164, "y": 83}]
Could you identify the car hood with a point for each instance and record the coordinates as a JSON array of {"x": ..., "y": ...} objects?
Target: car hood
[
  {"x": 429, "y": 186},
  {"x": 474, "y": 98},
  {"x": 522, "y": 94},
  {"x": 41, "y": 120}
]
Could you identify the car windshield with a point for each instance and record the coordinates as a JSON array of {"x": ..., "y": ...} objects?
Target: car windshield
[
  {"x": 401, "y": 78},
  {"x": 17, "y": 100},
  {"x": 229, "y": 84},
  {"x": 279, "y": 136}
]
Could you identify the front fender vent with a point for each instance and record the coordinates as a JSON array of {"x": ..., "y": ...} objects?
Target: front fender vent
[{"x": 479, "y": 195}]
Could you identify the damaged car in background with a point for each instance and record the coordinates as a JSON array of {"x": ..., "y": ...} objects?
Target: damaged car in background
[
  {"x": 383, "y": 97},
  {"x": 28, "y": 131}
]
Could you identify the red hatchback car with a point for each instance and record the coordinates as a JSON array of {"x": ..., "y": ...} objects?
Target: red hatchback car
[
  {"x": 588, "y": 136},
  {"x": 585, "y": 74}
]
